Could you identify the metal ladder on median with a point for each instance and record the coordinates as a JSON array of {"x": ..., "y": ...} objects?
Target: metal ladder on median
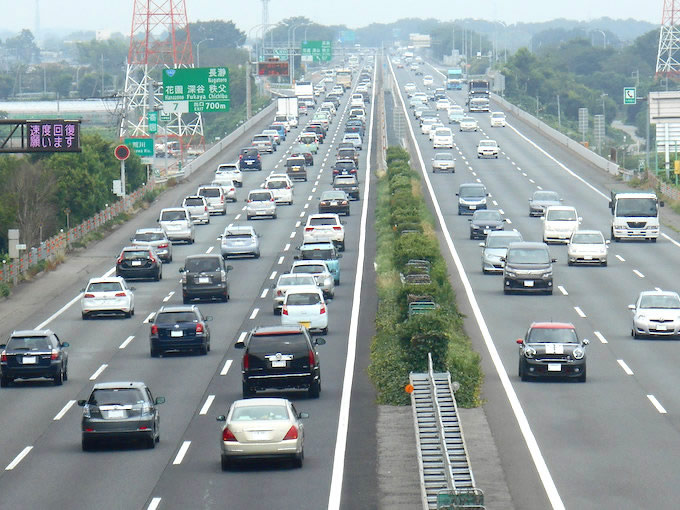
[{"x": 443, "y": 459}]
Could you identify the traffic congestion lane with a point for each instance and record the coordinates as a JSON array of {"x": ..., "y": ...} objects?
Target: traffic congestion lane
[{"x": 509, "y": 317}]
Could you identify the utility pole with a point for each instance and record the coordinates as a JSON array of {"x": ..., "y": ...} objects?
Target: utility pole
[
  {"x": 559, "y": 115},
  {"x": 249, "y": 93}
]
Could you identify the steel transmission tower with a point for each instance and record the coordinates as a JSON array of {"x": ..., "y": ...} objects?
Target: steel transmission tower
[
  {"x": 159, "y": 39},
  {"x": 667, "y": 63}
]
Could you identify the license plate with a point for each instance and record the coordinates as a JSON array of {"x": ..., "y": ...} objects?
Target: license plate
[
  {"x": 136, "y": 262},
  {"x": 587, "y": 257},
  {"x": 306, "y": 324},
  {"x": 473, "y": 207},
  {"x": 30, "y": 360},
  {"x": 116, "y": 413},
  {"x": 279, "y": 363},
  {"x": 660, "y": 327},
  {"x": 176, "y": 333},
  {"x": 334, "y": 202},
  {"x": 554, "y": 367},
  {"x": 486, "y": 230},
  {"x": 259, "y": 434},
  {"x": 203, "y": 279},
  {"x": 260, "y": 212},
  {"x": 528, "y": 283}
]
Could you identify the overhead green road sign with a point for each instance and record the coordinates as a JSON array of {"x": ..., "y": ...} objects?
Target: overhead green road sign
[
  {"x": 629, "y": 95},
  {"x": 143, "y": 147},
  {"x": 197, "y": 89},
  {"x": 316, "y": 51}
]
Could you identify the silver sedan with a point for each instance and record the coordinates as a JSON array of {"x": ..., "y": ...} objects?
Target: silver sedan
[
  {"x": 239, "y": 240},
  {"x": 656, "y": 313},
  {"x": 587, "y": 247}
]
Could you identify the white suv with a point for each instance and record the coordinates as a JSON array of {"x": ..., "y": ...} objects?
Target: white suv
[
  {"x": 177, "y": 225},
  {"x": 325, "y": 227},
  {"x": 229, "y": 172},
  {"x": 198, "y": 208},
  {"x": 281, "y": 188},
  {"x": 487, "y": 149},
  {"x": 215, "y": 197}
]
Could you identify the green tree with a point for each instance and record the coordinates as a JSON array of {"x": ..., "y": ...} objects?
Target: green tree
[{"x": 23, "y": 46}]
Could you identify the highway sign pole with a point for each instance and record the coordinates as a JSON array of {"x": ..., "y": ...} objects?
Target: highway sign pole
[{"x": 122, "y": 152}]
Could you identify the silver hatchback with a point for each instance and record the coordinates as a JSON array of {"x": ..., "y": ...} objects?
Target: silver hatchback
[
  {"x": 260, "y": 203},
  {"x": 215, "y": 197},
  {"x": 198, "y": 208},
  {"x": 240, "y": 240},
  {"x": 177, "y": 224},
  {"x": 157, "y": 239}
]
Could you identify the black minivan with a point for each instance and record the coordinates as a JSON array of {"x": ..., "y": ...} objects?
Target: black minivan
[
  {"x": 205, "y": 276},
  {"x": 528, "y": 268}
]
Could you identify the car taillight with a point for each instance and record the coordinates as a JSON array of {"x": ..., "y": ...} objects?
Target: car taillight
[
  {"x": 279, "y": 293},
  {"x": 291, "y": 434},
  {"x": 248, "y": 201},
  {"x": 323, "y": 310},
  {"x": 312, "y": 358},
  {"x": 241, "y": 156},
  {"x": 258, "y": 157},
  {"x": 337, "y": 228},
  {"x": 154, "y": 329},
  {"x": 55, "y": 354},
  {"x": 246, "y": 361},
  {"x": 272, "y": 200},
  {"x": 152, "y": 258},
  {"x": 164, "y": 245},
  {"x": 284, "y": 311},
  {"x": 344, "y": 202},
  {"x": 199, "y": 328},
  {"x": 119, "y": 294},
  {"x": 228, "y": 435},
  {"x": 309, "y": 229},
  {"x": 120, "y": 260},
  {"x": 287, "y": 187},
  {"x": 222, "y": 198},
  {"x": 89, "y": 295},
  {"x": 3, "y": 356},
  {"x": 205, "y": 208}
]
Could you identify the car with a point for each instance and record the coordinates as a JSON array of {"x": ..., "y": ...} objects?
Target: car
[
  {"x": 485, "y": 221},
  {"x": 260, "y": 203},
  {"x": 416, "y": 102},
  {"x": 106, "y": 296},
  {"x": 428, "y": 81},
  {"x": 281, "y": 434},
  {"x": 443, "y": 161},
  {"x": 229, "y": 173},
  {"x": 471, "y": 197},
  {"x": 542, "y": 199},
  {"x": 179, "y": 328},
  {"x": 468, "y": 124},
  {"x": 157, "y": 239},
  {"x": 239, "y": 240},
  {"x": 456, "y": 114},
  {"x": 345, "y": 167},
  {"x": 349, "y": 184},
  {"x": 205, "y": 276},
  {"x": 334, "y": 201},
  {"x": 497, "y": 119},
  {"x": 320, "y": 133},
  {"x": 410, "y": 88},
  {"x": 552, "y": 349},
  {"x": 587, "y": 247},
  {"x": 495, "y": 248},
  {"x": 295, "y": 168},
  {"x": 280, "y": 357},
  {"x": 281, "y": 129},
  {"x": 442, "y": 138},
  {"x": 139, "y": 262},
  {"x": 559, "y": 223},
  {"x": 325, "y": 227},
  {"x": 322, "y": 275},
  {"x": 528, "y": 268},
  {"x": 354, "y": 138},
  {"x": 215, "y": 197},
  {"x": 274, "y": 133},
  {"x": 347, "y": 145},
  {"x": 177, "y": 224},
  {"x": 358, "y": 123},
  {"x": 322, "y": 251},
  {"x": 356, "y": 100},
  {"x": 124, "y": 411},
  {"x": 427, "y": 113},
  {"x": 443, "y": 104},
  {"x": 281, "y": 188},
  {"x": 198, "y": 208},
  {"x": 305, "y": 306},
  {"x": 656, "y": 313},
  {"x": 422, "y": 96},
  {"x": 348, "y": 153},
  {"x": 249, "y": 159},
  {"x": 426, "y": 124},
  {"x": 228, "y": 189},
  {"x": 263, "y": 143},
  {"x": 308, "y": 157},
  {"x": 33, "y": 354},
  {"x": 487, "y": 149},
  {"x": 287, "y": 281}
]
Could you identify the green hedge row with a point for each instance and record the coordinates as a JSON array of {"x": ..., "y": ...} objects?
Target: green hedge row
[{"x": 405, "y": 231}]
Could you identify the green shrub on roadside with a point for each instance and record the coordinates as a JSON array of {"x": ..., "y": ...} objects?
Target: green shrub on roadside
[{"x": 5, "y": 290}]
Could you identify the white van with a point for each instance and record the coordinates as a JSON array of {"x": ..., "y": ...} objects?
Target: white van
[{"x": 357, "y": 100}]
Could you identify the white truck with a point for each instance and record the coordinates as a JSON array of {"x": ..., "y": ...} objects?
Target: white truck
[
  {"x": 304, "y": 91},
  {"x": 635, "y": 215},
  {"x": 287, "y": 106}
]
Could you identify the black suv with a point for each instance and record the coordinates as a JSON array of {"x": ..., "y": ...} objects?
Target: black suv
[
  {"x": 280, "y": 357},
  {"x": 139, "y": 262},
  {"x": 344, "y": 167},
  {"x": 528, "y": 268},
  {"x": 30, "y": 354},
  {"x": 179, "y": 328},
  {"x": 249, "y": 159},
  {"x": 205, "y": 276},
  {"x": 348, "y": 184}
]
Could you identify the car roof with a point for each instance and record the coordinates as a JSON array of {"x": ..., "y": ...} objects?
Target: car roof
[
  {"x": 32, "y": 332},
  {"x": 528, "y": 245},
  {"x": 504, "y": 233},
  {"x": 177, "y": 308},
  {"x": 276, "y": 330},
  {"x": 119, "y": 385},
  {"x": 551, "y": 325},
  {"x": 317, "y": 246},
  {"x": 323, "y": 215},
  {"x": 589, "y": 232},
  {"x": 203, "y": 256},
  {"x": 310, "y": 263},
  {"x": 151, "y": 230},
  {"x": 255, "y": 402},
  {"x": 472, "y": 185},
  {"x": 239, "y": 228},
  {"x": 658, "y": 293},
  {"x": 174, "y": 209},
  {"x": 560, "y": 208},
  {"x": 136, "y": 247},
  {"x": 303, "y": 289},
  {"x": 108, "y": 279}
]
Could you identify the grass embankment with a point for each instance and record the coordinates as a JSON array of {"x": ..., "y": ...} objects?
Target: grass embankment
[{"x": 401, "y": 343}]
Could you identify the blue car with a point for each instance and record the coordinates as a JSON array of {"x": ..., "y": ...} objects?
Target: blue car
[
  {"x": 322, "y": 251},
  {"x": 281, "y": 130}
]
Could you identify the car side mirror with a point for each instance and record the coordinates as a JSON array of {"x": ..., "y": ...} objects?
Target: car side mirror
[
  {"x": 65, "y": 344},
  {"x": 586, "y": 341},
  {"x": 607, "y": 241},
  {"x": 181, "y": 270},
  {"x": 296, "y": 257},
  {"x": 82, "y": 290},
  {"x": 159, "y": 400},
  {"x": 580, "y": 219},
  {"x": 503, "y": 259},
  {"x": 221, "y": 417},
  {"x": 208, "y": 318},
  {"x": 132, "y": 288},
  {"x": 132, "y": 239},
  {"x": 457, "y": 194},
  {"x": 553, "y": 260},
  {"x": 158, "y": 220},
  {"x": 82, "y": 403},
  {"x": 339, "y": 256},
  {"x": 220, "y": 237},
  {"x": 230, "y": 267},
  {"x": 319, "y": 341},
  {"x": 303, "y": 416},
  {"x": 542, "y": 218},
  {"x": 240, "y": 345},
  {"x": 470, "y": 219},
  {"x": 343, "y": 223},
  {"x": 481, "y": 245},
  {"x": 662, "y": 203},
  {"x": 520, "y": 341},
  {"x": 630, "y": 307}
]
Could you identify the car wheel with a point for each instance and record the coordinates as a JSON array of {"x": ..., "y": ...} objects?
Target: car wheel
[
  {"x": 85, "y": 316},
  {"x": 315, "y": 389},
  {"x": 299, "y": 459},
  {"x": 4, "y": 382},
  {"x": 635, "y": 334},
  {"x": 549, "y": 292},
  {"x": 191, "y": 241},
  {"x": 342, "y": 246},
  {"x": 324, "y": 331},
  {"x": 274, "y": 216},
  {"x": 257, "y": 255},
  {"x": 127, "y": 315},
  {"x": 225, "y": 463},
  {"x": 653, "y": 239},
  {"x": 582, "y": 377},
  {"x": 59, "y": 378},
  {"x": 506, "y": 291},
  {"x": 277, "y": 311},
  {"x": 150, "y": 442},
  {"x": 86, "y": 444},
  {"x": 203, "y": 350},
  {"x": 570, "y": 263},
  {"x": 66, "y": 373},
  {"x": 520, "y": 369},
  {"x": 604, "y": 263},
  {"x": 185, "y": 300},
  {"x": 155, "y": 353},
  {"x": 249, "y": 217},
  {"x": 225, "y": 297},
  {"x": 247, "y": 390}
]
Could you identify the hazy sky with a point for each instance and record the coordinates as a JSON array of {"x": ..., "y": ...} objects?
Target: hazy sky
[{"x": 116, "y": 15}]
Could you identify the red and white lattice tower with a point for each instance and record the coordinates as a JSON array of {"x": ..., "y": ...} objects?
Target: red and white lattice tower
[
  {"x": 159, "y": 39},
  {"x": 668, "y": 58}
]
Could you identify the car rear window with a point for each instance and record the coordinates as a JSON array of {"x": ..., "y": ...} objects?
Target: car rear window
[
  {"x": 209, "y": 192},
  {"x": 199, "y": 264},
  {"x": 249, "y": 152},
  {"x": 104, "y": 287},
  {"x": 317, "y": 254},
  {"x": 29, "y": 343},
  {"x": 135, "y": 254},
  {"x": 333, "y": 195},
  {"x": 501, "y": 241},
  {"x": 149, "y": 236},
  {"x": 344, "y": 165},
  {"x": 173, "y": 215},
  {"x": 175, "y": 317},
  {"x": 346, "y": 181},
  {"x": 295, "y": 162},
  {"x": 260, "y": 413},
  {"x": 285, "y": 343},
  {"x": 322, "y": 221},
  {"x": 193, "y": 201},
  {"x": 260, "y": 138},
  {"x": 277, "y": 184},
  {"x": 309, "y": 268},
  {"x": 287, "y": 280},
  {"x": 238, "y": 235},
  {"x": 303, "y": 299},
  {"x": 259, "y": 197},
  {"x": 119, "y": 396}
]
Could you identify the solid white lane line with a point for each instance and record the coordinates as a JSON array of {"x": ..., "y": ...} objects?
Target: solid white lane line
[
  {"x": 600, "y": 337},
  {"x": 18, "y": 458},
  {"x": 580, "y": 312},
  {"x": 209, "y": 250},
  {"x": 167, "y": 298},
  {"x": 126, "y": 342},
  {"x": 237, "y": 217},
  {"x": 281, "y": 258},
  {"x": 206, "y": 405},
  {"x": 562, "y": 290},
  {"x": 292, "y": 234},
  {"x": 64, "y": 410},
  {"x": 638, "y": 273},
  {"x": 148, "y": 318},
  {"x": 154, "y": 504},
  {"x": 225, "y": 368},
  {"x": 286, "y": 248},
  {"x": 656, "y": 404},
  {"x": 264, "y": 293},
  {"x": 254, "y": 314},
  {"x": 620, "y": 258},
  {"x": 625, "y": 367},
  {"x": 525, "y": 428},
  {"x": 98, "y": 372},
  {"x": 181, "y": 453}
]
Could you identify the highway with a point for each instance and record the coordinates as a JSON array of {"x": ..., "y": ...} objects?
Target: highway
[
  {"x": 44, "y": 466},
  {"x": 605, "y": 444}
]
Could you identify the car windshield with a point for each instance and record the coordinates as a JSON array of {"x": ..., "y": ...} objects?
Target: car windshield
[
  {"x": 659, "y": 301},
  {"x": 237, "y": 235},
  {"x": 295, "y": 162},
  {"x": 443, "y": 156},
  {"x": 442, "y": 132},
  {"x": 498, "y": 115},
  {"x": 149, "y": 236},
  {"x": 561, "y": 215},
  {"x": 165, "y": 318},
  {"x": 198, "y": 264},
  {"x": 486, "y": 143},
  {"x": 260, "y": 413},
  {"x": 135, "y": 254},
  {"x": 116, "y": 396},
  {"x": 318, "y": 254},
  {"x": 209, "y": 192},
  {"x": 303, "y": 299},
  {"x": 472, "y": 192},
  {"x": 344, "y": 165},
  {"x": 345, "y": 181},
  {"x": 271, "y": 344},
  {"x": 501, "y": 241},
  {"x": 173, "y": 215},
  {"x": 552, "y": 336},
  {"x": 29, "y": 343},
  {"x": 487, "y": 216},
  {"x": 193, "y": 201},
  {"x": 546, "y": 196},
  {"x": 307, "y": 139},
  {"x": 296, "y": 279},
  {"x": 582, "y": 238},
  {"x": 104, "y": 287},
  {"x": 309, "y": 268},
  {"x": 277, "y": 184},
  {"x": 261, "y": 138},
  {"x": 322, "y": 221},
  {"x": 528, "y": 256},
  {"x": 645, "y": 207},
  {"x": 259, "y": 197},
  {"x": 227, "y": 169},
  {"x": 468, "y": 119}
]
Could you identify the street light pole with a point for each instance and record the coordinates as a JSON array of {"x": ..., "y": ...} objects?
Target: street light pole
[{"x": 198, "y": 50}]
